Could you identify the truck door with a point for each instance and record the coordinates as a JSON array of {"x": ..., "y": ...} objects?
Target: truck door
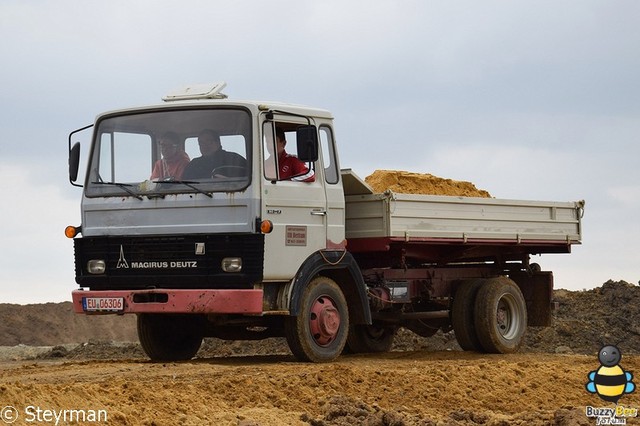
[
  {"x": 333, "y": 189},
  {"x": 293, "y": 200}
]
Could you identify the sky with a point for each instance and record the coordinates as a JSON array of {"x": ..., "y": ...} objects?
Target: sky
[{"x": 532, "y": 100}]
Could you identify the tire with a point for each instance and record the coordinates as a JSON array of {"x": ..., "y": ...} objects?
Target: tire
[
  {"x": 500, "y": 316},
  {"x": 462, "y": 315},
  {"x": 370, "y": 338},
  {"x": 319, "y": 332},
  {"x": 166, "y": 337}
]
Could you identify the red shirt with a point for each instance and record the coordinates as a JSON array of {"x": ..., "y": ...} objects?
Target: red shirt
[
  {"x": 291, "y": 168},
  {"x": 170, "y": 167}
]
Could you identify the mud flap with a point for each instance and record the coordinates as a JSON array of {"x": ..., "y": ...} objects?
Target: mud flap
[{"x": 537, "y": 290}]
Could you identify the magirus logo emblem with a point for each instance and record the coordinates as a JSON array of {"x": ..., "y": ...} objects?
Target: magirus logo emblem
[{"x": 122, "y": 262}]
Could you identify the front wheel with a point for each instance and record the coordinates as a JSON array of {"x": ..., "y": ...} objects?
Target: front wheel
[
  {"x": 319, "y": 332},
  {"x": 166, "y": 337},
  {"x": 500, "y": 315}
]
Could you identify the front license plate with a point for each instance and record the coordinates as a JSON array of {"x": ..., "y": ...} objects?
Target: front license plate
[{"x": 103, "y": 304}]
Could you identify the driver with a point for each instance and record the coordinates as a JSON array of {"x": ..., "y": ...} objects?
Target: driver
[{"x": 213, "y": 157}]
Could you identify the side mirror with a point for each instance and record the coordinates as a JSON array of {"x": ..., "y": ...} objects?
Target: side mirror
[
  {"x": 74, "y": 162},
  {"x": 307, "y": 143}
]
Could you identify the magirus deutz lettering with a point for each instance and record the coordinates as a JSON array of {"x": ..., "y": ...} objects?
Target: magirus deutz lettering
[{"x": 165, "y": 265}]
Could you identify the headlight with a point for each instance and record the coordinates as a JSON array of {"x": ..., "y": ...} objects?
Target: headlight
[
  {"x": 96, "y": 266},
  {"x": 232, "y": 264}
]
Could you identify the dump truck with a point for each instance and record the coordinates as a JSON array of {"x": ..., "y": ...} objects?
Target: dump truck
[{"x": 250, "y": 250}]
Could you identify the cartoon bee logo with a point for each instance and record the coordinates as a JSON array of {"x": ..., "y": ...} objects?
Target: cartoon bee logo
[{"x": 610, "y": 381}]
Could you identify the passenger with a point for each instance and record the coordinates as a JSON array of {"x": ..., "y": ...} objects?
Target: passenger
[
  {"x": 289, "y": 166},
  {"x": 214, "y": 157},
  {"x": 173, "y": 161}
]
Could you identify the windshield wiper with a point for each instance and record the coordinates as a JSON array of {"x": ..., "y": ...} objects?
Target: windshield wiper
[
  {"x": 188, "y": 183},
  {"x": 121, "y": 186}
]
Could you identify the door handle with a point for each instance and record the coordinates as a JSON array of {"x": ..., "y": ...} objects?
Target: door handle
[{"x": 319, "y": 212}]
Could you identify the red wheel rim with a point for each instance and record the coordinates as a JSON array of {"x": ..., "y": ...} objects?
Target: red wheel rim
[{"x": 324, "y": 320}]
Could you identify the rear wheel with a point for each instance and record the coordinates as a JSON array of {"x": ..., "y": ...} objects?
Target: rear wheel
[
  {"x": 500, "y": 315},
  {"x": 319, "y": 332},
  {"x": 370, "y": 338},
  {"x": 462, "y": 315},
  {"x": 165, "y": 337}
]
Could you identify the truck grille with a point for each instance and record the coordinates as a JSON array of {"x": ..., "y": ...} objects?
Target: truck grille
[{"x": 192, "y": 261}]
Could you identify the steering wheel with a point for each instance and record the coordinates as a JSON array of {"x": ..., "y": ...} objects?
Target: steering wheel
[{"x": 228, "y": 171}]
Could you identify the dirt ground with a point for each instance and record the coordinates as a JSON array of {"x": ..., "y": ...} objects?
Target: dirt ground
[
  {"x": 398, "y": 388},
  {"x": 423, "y": 381}
]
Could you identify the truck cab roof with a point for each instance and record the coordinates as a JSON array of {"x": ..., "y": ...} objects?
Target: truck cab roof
[{"x": 206, "y": 95}]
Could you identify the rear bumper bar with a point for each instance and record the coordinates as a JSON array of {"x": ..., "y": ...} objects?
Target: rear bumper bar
[{"x": 176, "y": 301}]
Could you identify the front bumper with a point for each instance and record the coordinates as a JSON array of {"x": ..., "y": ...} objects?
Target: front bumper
[{"x": 221, "y": 301}]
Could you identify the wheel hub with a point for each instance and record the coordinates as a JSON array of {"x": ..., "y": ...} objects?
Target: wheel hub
[
  {"x": 506, "y": 320},
  {"x": 324, "y": 320},
  {"x": 503, "y": 319}
]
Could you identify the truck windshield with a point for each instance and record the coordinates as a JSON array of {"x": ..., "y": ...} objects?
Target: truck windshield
[{"x": 170, "y": 151}]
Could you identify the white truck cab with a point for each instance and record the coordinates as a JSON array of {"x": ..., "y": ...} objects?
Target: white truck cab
[{"x": 122, "y": 199}]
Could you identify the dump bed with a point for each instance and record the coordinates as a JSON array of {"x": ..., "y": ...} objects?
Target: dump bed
[{"x": 459, "y": 219}]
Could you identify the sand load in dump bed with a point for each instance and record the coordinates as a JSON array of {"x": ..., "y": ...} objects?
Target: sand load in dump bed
[{"x": 421, "y": 183}]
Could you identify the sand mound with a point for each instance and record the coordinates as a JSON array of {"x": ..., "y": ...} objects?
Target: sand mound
[{"x": 421, "y": 183}]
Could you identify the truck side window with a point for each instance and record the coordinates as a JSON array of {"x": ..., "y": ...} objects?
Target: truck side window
[
  {"x": 268, "y": 148},
  {"x": 328, "y": 155},
  {"x": 285, "y": 165}
]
